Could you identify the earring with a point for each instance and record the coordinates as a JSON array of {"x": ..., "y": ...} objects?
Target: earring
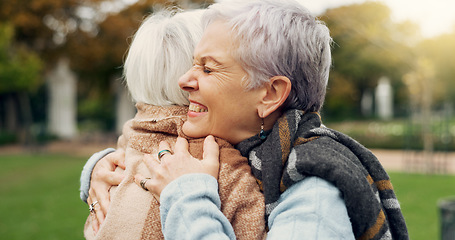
[{"x": 262, "y": 134}]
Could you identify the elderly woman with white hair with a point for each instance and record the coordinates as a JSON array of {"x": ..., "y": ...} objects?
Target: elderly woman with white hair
[
  {"x": 258, "y": 80},
  {"x": 160, "y": 53}
]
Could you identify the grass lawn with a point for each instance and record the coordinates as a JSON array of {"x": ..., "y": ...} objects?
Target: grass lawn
[
  {"x": 39, "y": 198},
  {"x": 418, "y": 195}
]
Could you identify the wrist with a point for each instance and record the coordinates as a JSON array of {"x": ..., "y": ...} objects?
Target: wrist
[{"x": 86, "y": 173}]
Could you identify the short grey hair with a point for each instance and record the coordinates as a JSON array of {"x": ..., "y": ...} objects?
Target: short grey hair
[
  {"x": 161, "y": 52},
  {"x": 279, "y": 38}
]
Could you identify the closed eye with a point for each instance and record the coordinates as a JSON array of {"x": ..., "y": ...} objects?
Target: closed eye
[{"x": 207, "y": 70}]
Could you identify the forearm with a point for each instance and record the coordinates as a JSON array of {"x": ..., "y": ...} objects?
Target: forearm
[
  {"x": 87, "y": 172},
  {"x": 190, "y": 209}
]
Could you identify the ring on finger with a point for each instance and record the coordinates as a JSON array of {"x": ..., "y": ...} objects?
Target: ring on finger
[
  {"x": 143, "y": 182},
  {"x": 162, "y": 153},
  {"x": 92, "y": 207}
]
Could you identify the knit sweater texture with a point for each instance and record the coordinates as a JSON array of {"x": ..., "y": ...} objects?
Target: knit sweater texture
[
  {"x": 299, "y": 146},
  {"x": 134, "y": 213}
]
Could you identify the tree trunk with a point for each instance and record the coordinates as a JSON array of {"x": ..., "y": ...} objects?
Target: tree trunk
[
  {"x": 11, "y": 115},
  {"x": 26, "y": 137}
]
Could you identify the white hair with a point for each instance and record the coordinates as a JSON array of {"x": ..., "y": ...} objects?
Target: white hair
[
  {"x": 161, "y": 52},
  {"x": 279, "y": 38}
]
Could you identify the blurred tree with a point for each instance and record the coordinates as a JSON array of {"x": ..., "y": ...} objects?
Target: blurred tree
[
  {"x": 440, "y": 51},
  {"x": 92, "y": 34},
  {"x": 19, "y": 67},
  {"x": 43, "y": 42},
  {"x": 368, "y": 45},
  {"x": 20, "y": 71},
  {"x": 97, "y": 55}
]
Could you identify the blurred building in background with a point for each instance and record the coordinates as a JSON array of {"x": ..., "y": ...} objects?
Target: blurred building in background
[{"x": 62, "y": 105}]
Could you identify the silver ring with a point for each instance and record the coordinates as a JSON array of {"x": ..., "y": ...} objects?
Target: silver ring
[
  {"x": 162, "y": 153},
  {"x": 91, "y": 207},
  {"x": 143, "y": 181}
]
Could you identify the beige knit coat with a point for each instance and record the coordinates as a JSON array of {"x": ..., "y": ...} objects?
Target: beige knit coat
[{"x": 134, "y": 213}]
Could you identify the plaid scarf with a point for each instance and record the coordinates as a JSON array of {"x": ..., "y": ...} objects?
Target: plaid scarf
[{"x": 299, "y": 146}]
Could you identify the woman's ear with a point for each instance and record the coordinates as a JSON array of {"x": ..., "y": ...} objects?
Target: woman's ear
[{"x": 276, "y": 92}]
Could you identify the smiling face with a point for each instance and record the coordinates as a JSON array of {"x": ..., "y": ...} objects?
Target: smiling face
[{"x": 219, "y": 103}]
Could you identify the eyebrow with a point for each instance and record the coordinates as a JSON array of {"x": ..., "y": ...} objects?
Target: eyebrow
[{"x": 205, "y": 58}]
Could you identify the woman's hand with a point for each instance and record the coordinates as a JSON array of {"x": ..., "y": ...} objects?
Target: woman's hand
[
  {"x": 180, "y": 162},
  {"x": 103, "y": 178}
]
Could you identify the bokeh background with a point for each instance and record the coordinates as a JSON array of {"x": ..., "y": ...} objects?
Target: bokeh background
[{"x": 62, "y": 98}]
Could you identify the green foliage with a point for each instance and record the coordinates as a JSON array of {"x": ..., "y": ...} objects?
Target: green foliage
[
  {"x": 439, "y": 51},
  {"x": 93, "y": 34},
  {"x": 368, "y": 45},
  {"x": 7, "y": 137},
  {"x": 342, "y": 98},
  {"x": 20, "y": 68},
  {"x": 96, "y": 114}
]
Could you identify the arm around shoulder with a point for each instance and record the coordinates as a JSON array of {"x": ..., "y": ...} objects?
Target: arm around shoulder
[{"x": 87, "y": 172}]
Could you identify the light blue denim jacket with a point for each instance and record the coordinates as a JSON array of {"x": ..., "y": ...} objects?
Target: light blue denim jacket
[
  {"x": 310, "y": 209},
  {"x": 86, "y": 174}
]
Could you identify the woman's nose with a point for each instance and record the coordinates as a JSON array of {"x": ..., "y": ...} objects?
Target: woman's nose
[{"x": 188, "y": 81}]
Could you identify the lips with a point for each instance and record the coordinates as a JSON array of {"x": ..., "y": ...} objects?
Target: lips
[{"x": 195, "y": 107}]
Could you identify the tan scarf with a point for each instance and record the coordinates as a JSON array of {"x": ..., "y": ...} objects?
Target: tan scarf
[{"x": 134, "y": 213}]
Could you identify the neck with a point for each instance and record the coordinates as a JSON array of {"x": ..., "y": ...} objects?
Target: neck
[{"x": 269, "y": 121}]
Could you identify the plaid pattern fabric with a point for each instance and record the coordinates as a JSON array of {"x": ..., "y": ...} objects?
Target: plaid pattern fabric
[{"x": 299, "y": 146}]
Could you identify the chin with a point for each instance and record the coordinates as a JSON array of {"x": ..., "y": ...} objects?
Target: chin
[{"x": 193, "y": 131}]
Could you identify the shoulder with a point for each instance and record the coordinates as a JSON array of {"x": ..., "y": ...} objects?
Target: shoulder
[
  {"x": 320, "y": 155},
  {"x": 323, "y": 157},
  {"x": 314, "y": 185},
  {"x": 314, "y": 208},
  {"x": 324, "y": 146}
]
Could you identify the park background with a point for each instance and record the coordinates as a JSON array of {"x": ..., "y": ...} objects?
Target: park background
[{"x": 62, "y": 98}]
